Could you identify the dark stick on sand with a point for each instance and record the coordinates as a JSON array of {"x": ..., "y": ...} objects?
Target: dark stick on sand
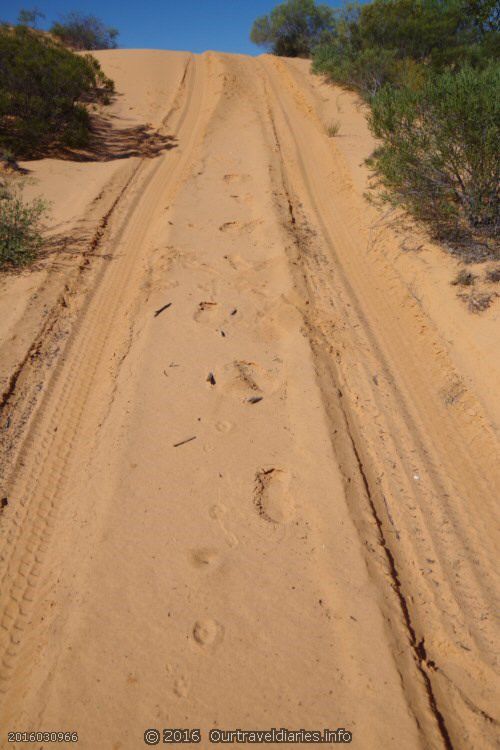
[
  {"x": 183, "y": 442},
  {"x": 157, "y": 312}
]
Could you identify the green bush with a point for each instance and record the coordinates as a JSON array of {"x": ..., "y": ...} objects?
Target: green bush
[
  {"x": 30, "y": 17},
  {"x": 367, "y": 71},
  {"x": 85, "y": 32},
  {"x": 42, "y": 86},
  {"x": 293, "y": 28},
  {"x": 372, "y": 44},
  {"x": 20, "y": 235},
  {"x": 440, "y": 147},
  {"x": 429, "y": 69}
]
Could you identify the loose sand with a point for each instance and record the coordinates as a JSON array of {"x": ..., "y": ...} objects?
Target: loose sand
[{"x": 271, "y": 504}]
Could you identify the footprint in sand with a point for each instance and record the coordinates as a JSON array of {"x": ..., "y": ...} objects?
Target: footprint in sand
[
  {"x": 279, "y": 318},
  {"x": 248, "y": 374},
  {"x": 209, "y": 312},
  {"x": 238, "y": 226},
  {"x": 237, "y": 263},
  {"x": 248, "y": 198},
  {"x": 229, "y": 226},
  {"x": 204, "y": 557},
  {"x": 236, "y": 178},
  {"x": 272, "y": 498},
  {"x": 205, "y": 309},
  {"x": 208, "y": 633},
  {"x": 224, "y": 426},
  {"x": 181, "y": 687},
  {"x": 218, "y": 513},
  {"x": 247, "y": 379}
]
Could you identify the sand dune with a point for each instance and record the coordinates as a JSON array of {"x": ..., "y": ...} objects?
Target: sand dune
[{"x": 250, "y": 444}]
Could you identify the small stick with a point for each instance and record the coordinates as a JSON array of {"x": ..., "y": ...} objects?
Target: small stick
[
  {"x": 157, "y": 312},
  {"x": 183, "y": 442}
]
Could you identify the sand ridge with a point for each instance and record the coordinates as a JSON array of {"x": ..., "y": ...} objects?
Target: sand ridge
[{"x": 243, "y": 496}]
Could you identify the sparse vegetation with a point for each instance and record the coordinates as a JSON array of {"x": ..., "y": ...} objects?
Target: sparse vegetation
[
  {"x": 478, "y": 301},
  {"x": 43, "y": 90},
  {"x": 429, "y": 70},
  {"x": 7, "y": 158},
  {"x": 20, "y": 232},
  {"x": 493, "y": 275},
  {"x": 30, "y": 17},
  {"x": 399, "y": 42},
  {"x": 439, "y": 155},
  {"x": 85, "y": 32},
  {"x": 464, "y": 278},
  {"x": 333, "y": 129}
]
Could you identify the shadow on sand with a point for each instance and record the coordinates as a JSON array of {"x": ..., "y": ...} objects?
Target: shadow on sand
[{"x": 107, "y": 143}]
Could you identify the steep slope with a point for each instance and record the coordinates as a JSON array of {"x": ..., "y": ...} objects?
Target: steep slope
[{"x": 250, "y": 481}]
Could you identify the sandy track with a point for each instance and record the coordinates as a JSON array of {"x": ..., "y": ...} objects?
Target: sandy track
[{"x": 321, "y": 557}]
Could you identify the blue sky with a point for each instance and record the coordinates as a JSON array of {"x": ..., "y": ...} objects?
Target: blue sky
[{"x": 195, "y": 25}]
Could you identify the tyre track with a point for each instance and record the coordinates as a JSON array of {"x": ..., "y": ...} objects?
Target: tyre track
[
  {"x": 20, "y": 393},
  {"x": 410, "y": 485},
  {"x": 447, "y": 500},
  {"x": 64, "y": 426}
]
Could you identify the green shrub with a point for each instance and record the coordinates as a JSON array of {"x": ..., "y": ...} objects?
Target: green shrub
[
  {"x": 493, "y": 275},
  {"x": 20, "y": 235},
  {"x": 366, "y": 71},
  {"x": 293, "y": 28},
  {"x": 429, "y": 69},
  {"x": 464, "y": 278},
  {"x": 7, "y": 157},
  {"x": 42, "y": 85},
  {"x": 440, "y": 147},
  {"x": 30, "y": 17},
  {"x": 388, "y": 41},
  {"x": 81, "y": 32}
]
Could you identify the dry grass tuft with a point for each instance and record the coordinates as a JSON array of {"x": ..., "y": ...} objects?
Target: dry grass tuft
[
  {"x": 464, "y": 278},
  {"x": 493, "y": 275},
  {"x": 477, "y": 302},
  {"x": 333, "y": 129}
]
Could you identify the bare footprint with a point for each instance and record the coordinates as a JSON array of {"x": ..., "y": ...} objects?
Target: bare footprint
[
  {"x": 278, "y": 319},
  {"x": 248, "y": 379},
  {"x": 248, "y": 198},
  {"x": 207, "y": 632},
  {"x": 204, "y": 309},
  {"x": 236, "y": 178},
  {"x": 237, "y": 263},
  {"x": 181, "y": 687},
  {"x": 218, "y": 513},
  {"x": 248, "y": 374},
  {"x": 224, "y": 426},
  {"x": 238, "y": 226},
  {"x": 229, "y": 226},
  {"x": 272, "y": 498},
  {"x": 204, "y": 557}
]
